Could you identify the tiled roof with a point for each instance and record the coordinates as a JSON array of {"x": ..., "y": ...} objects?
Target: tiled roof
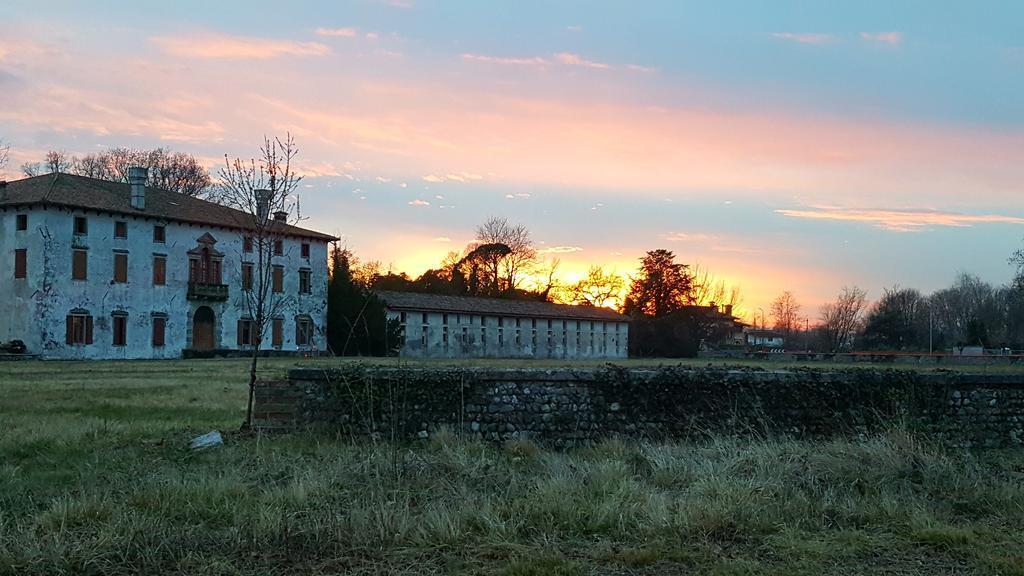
[
  {"x": 495, "y": 307},
  {"x": 71, "y": 191}
]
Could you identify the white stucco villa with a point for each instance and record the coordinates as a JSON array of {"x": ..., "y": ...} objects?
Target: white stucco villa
[{"x": 98, "y": 269}]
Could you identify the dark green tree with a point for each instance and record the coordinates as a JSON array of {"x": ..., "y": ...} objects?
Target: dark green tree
[
  {"x": 357, "y": 322},
  {"x": 666, "y": 323},
  {"x": 661, "y": 286},
  {"x": 895, "y": 321}
]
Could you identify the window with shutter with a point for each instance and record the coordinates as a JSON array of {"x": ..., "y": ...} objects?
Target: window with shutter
[
  {"x": 159, "y": 234},
  {"x": 79, "y": 327},
  {"x": 246, "y": 276},
  {"x": 278, "y": 247},
  {"x": 303, "y": 331},
  {"x": 159, "y": 329},
  {"x": 278, "y": 279},
  {"x": 120, "y": 230},
  {"x": 305, "y": 249},
  {"x": 79, "y": 264},
  {"x": 246, "y": 332},
  {"x": 304, "y": 282},
  {"x": 159, "y": 270},
  {"x": 120, "y": 329},
  {"x": 20, "y": 263},
  {"x": 81, "y": 226},
  {"x": 277, "y": 336},
  {"x": 22, "y": 222},
  {"x": 120, "y": 267}
]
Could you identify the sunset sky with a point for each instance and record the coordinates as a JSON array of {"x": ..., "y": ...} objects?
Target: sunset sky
[{"x": 783, "y": 145}]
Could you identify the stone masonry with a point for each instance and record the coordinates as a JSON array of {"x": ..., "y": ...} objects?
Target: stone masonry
[{"x": 574, "y": 407}]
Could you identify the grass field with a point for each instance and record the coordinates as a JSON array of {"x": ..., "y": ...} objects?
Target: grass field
[{"x": 96, "y": 478}]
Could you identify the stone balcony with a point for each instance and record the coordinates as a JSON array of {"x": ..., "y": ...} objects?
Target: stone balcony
[{"x": 208, "y": 292}]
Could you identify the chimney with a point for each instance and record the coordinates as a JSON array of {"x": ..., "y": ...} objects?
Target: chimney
[
  {"x": 263, "y": 204},
  {"x": 137, "y": 180},
  {"x": 281, "y": 216},
  {"x": 728, "y": 309}
]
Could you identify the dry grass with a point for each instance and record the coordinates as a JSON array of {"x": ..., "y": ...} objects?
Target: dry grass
[{"x": 96, "y": 478}]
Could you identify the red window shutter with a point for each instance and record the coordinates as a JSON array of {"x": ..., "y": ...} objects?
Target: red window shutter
[
  {"x": 20, "y": 263},
  {"x": 278, "y": 279},
  {"x": 120, "y": 268},
  {"x": 71, "y": 330},
  {"x": 159, "y": 326},
  {"x": 278, "y": 332},
  {"x": 79, "y": 265},
  {"x": 88, "y": 329}
]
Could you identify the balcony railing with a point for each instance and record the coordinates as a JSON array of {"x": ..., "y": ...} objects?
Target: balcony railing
[{"x": 213, "y": 292}]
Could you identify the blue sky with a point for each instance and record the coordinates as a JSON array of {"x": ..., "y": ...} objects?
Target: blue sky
[{"x": 783, "y": 145}]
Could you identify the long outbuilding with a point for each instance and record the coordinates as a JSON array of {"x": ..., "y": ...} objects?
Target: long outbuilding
[{"x": 440, "y": 326}]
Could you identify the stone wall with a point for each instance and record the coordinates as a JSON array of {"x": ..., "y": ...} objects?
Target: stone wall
[{"x": 573, "y": 407}]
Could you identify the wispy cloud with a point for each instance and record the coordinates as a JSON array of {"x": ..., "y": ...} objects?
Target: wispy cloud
[
  {"x": 890, "y": 38},
  {"x": 560, "y": 250},
  {"x": 699, "y": 238},
  {"x": 557, "y": 59},
  {"x": 570, "y": 59},
  {"x": 219, "y": 46},
  {"x": 442, "y": 239},
  {"x": 805, "y": 37},
  {"x": 419, "y": 203},
  {"x": 337, "y": 32},
  {"x": 639, "y": 68},
  {"x": 453, "y": 177},
  {"x": 901, "y": 220},
  {"x": 519, "y": 195},
  {"x": 535, "y": 61}
]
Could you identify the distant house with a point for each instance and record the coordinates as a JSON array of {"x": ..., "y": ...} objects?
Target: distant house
[
  {"x": 765, "y": 338},
  {"x": 97, "y": 269},
  {"x": 723, "y": 330},
  {"x": 438, "y": 326}
]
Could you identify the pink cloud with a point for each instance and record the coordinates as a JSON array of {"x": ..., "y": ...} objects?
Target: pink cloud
[
  {"x": 805, "y": 37},
  {"x": 337, "y": 32},
  {"x": 535, "y": 61},
  {"x": 219, "y": 46},
  {"x": 901, "y": 220},
  {"x": 891, "y": 38},
  {"x": 570, "y": 59},
  {"x": 638, "y": 68}
]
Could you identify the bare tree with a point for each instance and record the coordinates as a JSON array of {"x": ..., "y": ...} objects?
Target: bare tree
[
  {"x": 840, "y": 319},
  {"x": 707, "y": 289},
  {"x": 599, "y": 288},
  {"x": 175, "y": 171},
  {"x": 56, "y": 161},
  {"x": 1017, "y": 261},
  {"x": 785, "y": 310},
  {"x": 507, "y": 271},
  {"x": 4, "y": 150},
  {"x": 263, "y": 190}
]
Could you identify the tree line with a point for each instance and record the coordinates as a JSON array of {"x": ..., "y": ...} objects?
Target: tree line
[
  {"x": 969, "y": 313},
  {"x": 169, "y": 170}
]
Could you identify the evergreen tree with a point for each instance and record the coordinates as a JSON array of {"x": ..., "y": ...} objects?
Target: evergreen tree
[{"x": 357, "y": 322}]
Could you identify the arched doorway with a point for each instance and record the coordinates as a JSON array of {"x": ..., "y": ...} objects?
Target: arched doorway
[{"x": 202, "y": 329}]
